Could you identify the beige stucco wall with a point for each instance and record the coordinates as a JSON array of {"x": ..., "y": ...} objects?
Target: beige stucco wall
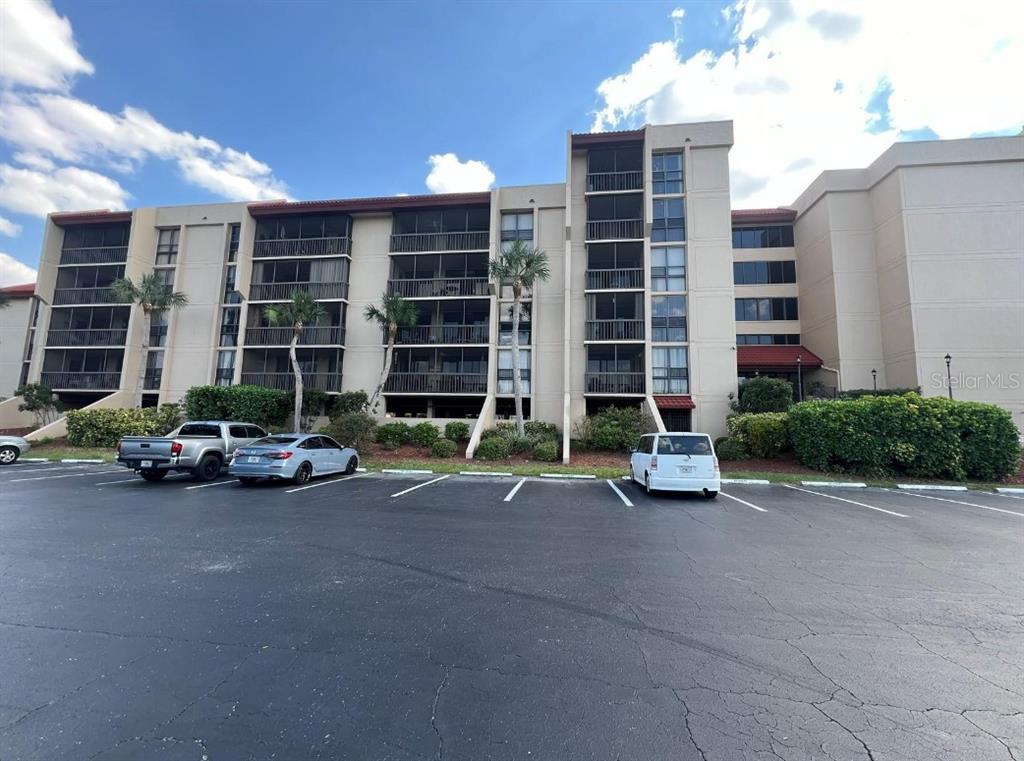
[
  {"x": 368, "y": 279},
  {"x": 14, "y": 320}
]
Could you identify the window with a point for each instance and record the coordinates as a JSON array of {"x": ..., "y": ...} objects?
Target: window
[
  {"x": 619, "y": 206},
  {"x": 668, "y": 318},
  {"x": 670, "y": 371},
  {"x": 166, "y": 276},
  {"x": 231, "y": 294},
  {"x": 229, "y": 326},
  {"x": 751, "y": 339},
  {"x": 684, "y": 445},
  {"x": 471, "y": 219},
  {"x": 154, "y": 370},
  {"x": 763, "y": 273},
  {"x": 615, "y": 358},
  {"x": 505, "y": 376},
  {"x": 200, "y": 430},
  {"x": 669, "y": 220},
  {"x": 307, "y": 227},
  {"x": 238, "y": 431},
  {"x": 158, "y": 323},
  {"x": 518, "y": 226},
  {"x": 225, "y": 368},
  {"x": 233, "y": 239},
  {"x": 167, "y": 247},
  {"x": 615, "y": 256},
  {"x": 759, "y": 310},
  {"x": 623, "y": 159},
  {"x": 668, "y": 173},
  {"x": 770, "y": 236},
  {"x": 668, "y": 269},
  {"x": 254, "y": 432}
]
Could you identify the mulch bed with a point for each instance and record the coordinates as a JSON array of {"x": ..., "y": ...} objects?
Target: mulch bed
[{"x": 15, "y": 431}]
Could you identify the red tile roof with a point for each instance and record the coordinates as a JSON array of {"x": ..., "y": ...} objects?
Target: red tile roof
[
  {"x": 385, "y": 203},
  {"x": 757, "y": 357},
  {"x": 95, "y": 216},
  {"x": 761, "y": 216},
  {"x": 20, "y": 291},
  {"x": 676, "y": 402}
]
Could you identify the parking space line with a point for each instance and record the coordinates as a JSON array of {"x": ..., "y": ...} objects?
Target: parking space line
[
  {"x": 850, "y": 501},
  {"x": 420, "y": 486},
  {"x": 124, "y": 481},
  {"x": 743, "y": 502},
  {"x": 69, "y": 475},
  {"x": 215, "y": 483},
  {"x": 324, "y": 483},
  {"x": 1008, "y": 496},
  {"x": 968, "y": 504},
  {"x": 65, "y": 468},
  {"x": 619, "y": 492},
  {"x": 517, "y": 487}
]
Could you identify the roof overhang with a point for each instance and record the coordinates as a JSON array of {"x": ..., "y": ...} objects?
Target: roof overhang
[
  {"x": 594, "y": 139},
  {"x": 97, "y": 217},
  {"x": 785, "y": 357},
  {"x": 366, "y": 205},
  {"x": 674, "y": 402},
  {"x": 763, "y": 216}
]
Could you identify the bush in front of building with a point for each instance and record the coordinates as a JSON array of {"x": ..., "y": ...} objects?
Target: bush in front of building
[
  {"x": 424, "y": 434},
  {"x": 456, "y": 431},
  {"x": 763, "y": 434},
  {"x": 493, "y": 448},
  {"x": 613, "y": 429},
  {"x": 546, "y": 451},
  {"x": 762, "y": 394},
  {"x": 857, "y": 393},
  {"x": 443, "y": 448},
  {"x": 265, "y": 407},
  {"x": 349, "y": 401},
  {"x": 352, "y": 429},
  {"x": 731, "y": 449},
  {"x": 538, "y": 431},
  {"x": 104, "y": 427},
  {"x": 393, "y": 435},
  {"x": 906, "y": 435}
]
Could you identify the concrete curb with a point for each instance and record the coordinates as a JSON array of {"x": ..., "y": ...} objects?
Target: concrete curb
[
  {"x": 836, "y": 484},
  {"x": 83, "y": 462},
  {"x": 484, "y": 473},
  {"x": 360, "y": 470},
  {"x": 1009, "y": 490},
  {"x": 32, "y": 459},
  {"x": 751, "y": 481},
  {"x": 568, "y": 475},
  {"x": 930, "y": 487},
  {"x": 408, "y": 471}
]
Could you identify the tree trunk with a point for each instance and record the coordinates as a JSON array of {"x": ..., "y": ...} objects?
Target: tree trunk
[
  {"x": 386, "y": 371},
  {"x": 147, "y": 318},
  {"x": 298, "y": 378},
  {"x": 517, "y": 381}
]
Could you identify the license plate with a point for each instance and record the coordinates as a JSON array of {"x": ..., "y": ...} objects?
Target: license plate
[
  {"x": 252, "y": 459},
  {"x": 146, "y": 464},
  {"x": 686, "y": 469}
]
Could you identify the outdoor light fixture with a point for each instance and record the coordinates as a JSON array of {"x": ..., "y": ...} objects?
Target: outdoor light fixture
[
  {"x": 800, "y": 376},
  {"x": 874, "y": 379},
  {"x": 949, "y": 376}
]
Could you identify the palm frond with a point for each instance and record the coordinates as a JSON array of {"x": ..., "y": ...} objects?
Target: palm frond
[
  {"x": 393, "y": 310},
  {"x": 151, "y": 293},
  {"x": 303, "y": 309},
  {"x": 521, "y": 264}
]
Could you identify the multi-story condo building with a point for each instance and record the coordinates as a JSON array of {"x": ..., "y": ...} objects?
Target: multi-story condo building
[{"x": 659, "y": 296}]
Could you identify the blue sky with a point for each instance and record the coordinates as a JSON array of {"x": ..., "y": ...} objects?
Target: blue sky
[{"x": 134, "y": 104}]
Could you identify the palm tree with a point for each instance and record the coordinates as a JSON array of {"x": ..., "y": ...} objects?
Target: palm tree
[
  {"x": 394, "y": 312},
  {"x": 301, "y": 311},
  {"x": 520, "y": 266},
  {"x": 153, "y": 295}
]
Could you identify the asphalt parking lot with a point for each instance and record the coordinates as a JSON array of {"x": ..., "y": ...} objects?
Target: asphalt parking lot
[{"x": 408, "y": 617}]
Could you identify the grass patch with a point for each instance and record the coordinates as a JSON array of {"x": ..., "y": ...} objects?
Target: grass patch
[
  {"x": 77, "y": 453},
  {"x": 519, "y": 469}
]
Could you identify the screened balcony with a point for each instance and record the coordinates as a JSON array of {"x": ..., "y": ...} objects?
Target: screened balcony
[
  {"x": 439, "y": 275},
  {"x": 297, "y": 235},
  {"x": 615, "y": 266},
  {"x": 615, "y": 169},
  {"x": 271, "y": 368},
  {"x": 277, "y": 280},
  {"x": 448, "y": 321},
  {"x": 88, "y": 326},
  {"x": 95, "y": 244},
  {"x": 615, "y": 317},
  {"x": 455, "y": 229},
  {"x": 85, "y": 285},
  {"x": 331, "y": 332},
  {"x": 438, "y": 371},
  {"x": 82, "y": 369},
  {"x": 615, "y": 370},
  {"x": 615, "y": 217}
]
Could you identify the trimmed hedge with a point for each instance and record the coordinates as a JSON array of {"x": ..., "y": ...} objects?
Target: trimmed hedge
[
  {"x": 352, "y": 429},
  {"x": 857, "y": 393},
  {"x": 891, "y": 435},
  {"x": 763, "y": 394},
  {"x": 763, "y": 434},
  {"x": 493, "y": 448},
  {"x": 456, "y": 430},
  {"x": 104, "y": 427},
  {"x": 424, "y": 434},
  {"x": 443, "y": 448},
  {"x": 614, "y": 429},
  {"x": 265, "y": 407},
  {"x": 393, "y": 435},
  {"x": 731, "y": 449},
  {"x": 349, "y": 401},
  {"x": 546, "y": 451}
]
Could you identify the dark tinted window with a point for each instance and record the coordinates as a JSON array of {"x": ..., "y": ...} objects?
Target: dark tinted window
[
  {"x": 254, "y": 432},
  {"x": 200, "y": 429},
  {"x": 329, "y": 443},
  {"x": 274, "y": 441},
  {"x": 691, "y": 445},
  {"x": 313, "y": 442},
  {"x": 238, "y": 431},
  {"x": 771, "y": 236}
]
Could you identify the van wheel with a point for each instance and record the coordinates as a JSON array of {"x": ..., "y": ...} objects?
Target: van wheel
[
  {"x": 153, "y": 475},
  {"x": 303, "y": 473},
  {"x": 710, "y": 494},
  {"x": 350, "y": 468},
  {"x": 9, "y": 455},
  {"x": 647, "y": 483},
  {"x": 207, "y": 469}
]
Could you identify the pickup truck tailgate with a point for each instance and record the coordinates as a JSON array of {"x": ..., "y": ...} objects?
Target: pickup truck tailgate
[{"x": 137, "y": 448}]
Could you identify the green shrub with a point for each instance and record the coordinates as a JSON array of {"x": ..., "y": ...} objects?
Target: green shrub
[
  {"x": 493, "y": 448},
  {"x": 349, "y": 401},
  {"x": 444, "y": 448},
  {"x": 353, "y": 429},
  {"x": 892, "y": 435},
  {"x": 393, "y": 435},
  {"x": 539, "y": 431},
  {"x": 614, "y": 429},
  {"x": 763, "y": 434},
  {"x": 456, "y": 430},
  {"x": 265, "y": 407},
  {"x": 104, "y": 427},
  {"x": 731, "y": 449},
  {"x": 857, "y": 393},
  {"x": 762, "y": 394},
  {"x": 40, "y": 401},
  {"x": 546, "y": 451},
  {"x": 424, "y": 434}
]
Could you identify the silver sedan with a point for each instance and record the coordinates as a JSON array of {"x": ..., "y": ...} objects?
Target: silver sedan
[
  {"x": 294, "y": 456},
  {"x": 11, "y": 448}
]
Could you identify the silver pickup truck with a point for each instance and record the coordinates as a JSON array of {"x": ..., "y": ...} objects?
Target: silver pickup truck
[{"x": 201, "y": 448}]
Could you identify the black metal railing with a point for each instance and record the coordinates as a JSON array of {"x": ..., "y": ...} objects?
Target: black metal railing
[
  {"x": 610, "y": 279},
  {"x": 284, "y": 291},
  {"x": 94, "y": 255},
  {"x": 286, "y": 381},
  {"x": 442, "y": 334},
  {"x": 615, "y": 229},
  {"x": 86, "y": 337},
  {"x": 64, "y": 296},
  {"x": 615, "y": 330},
  {"x": 458, "y": 241},
  {"x": 81, "y": 381},
  {"x": 436, "y": 383},
  {"x": 273, "y": 249},
  {"x": 317, "y": 335},
  {"x": 438, "y": 287},
  {"x": 615, "y": 383},
  {"x": 613, "y": 181}
]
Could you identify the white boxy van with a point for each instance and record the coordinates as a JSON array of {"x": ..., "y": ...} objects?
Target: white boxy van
[{"x": 676, "y": 462}]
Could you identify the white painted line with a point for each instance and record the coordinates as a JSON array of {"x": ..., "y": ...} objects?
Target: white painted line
[
  {"x": 619, "y": 492},
  {"x": 567, "y": 475},
  {"x": 517, "y": 487},
  {"x": 47, "y": 470},
  {"x": 33, "y": 459},
  {"x": 360, "y": 470},
  {"x": 930, "y": 487},
  {"x": 411, "y": 472},
  {"x": 420, "y": 486},
  {"x": 323, "y": 483},
  {"x": 743, "y": 502},
  {"x": 69, "y": 475},
  {"x": 214, "y": 483},
  {"x": 843, "y": 499},
  {"x": 123, "y": 481},
  {"x": 751, "y": 481},
  {"x": 968, "y": 504},
  {"x": 84, "y": 462},
  {"x": 1009, "y": 490},
  {"x": 1010, "y": 496},
  {"x": 484, "y": 473},
  {"x": 837, "y": 484}
]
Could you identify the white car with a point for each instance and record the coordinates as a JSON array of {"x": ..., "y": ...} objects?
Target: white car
[
  {"x": 676, "y": 462},
  {"x": 11, "y": 448}
]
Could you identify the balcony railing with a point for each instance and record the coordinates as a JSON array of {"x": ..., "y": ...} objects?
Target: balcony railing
[
  {"x": 608, "y": 279},
  {"x": 272, "y": 249},
  {"x": 443, "y": 334},
  {"x": 437, "y": 287},
  {"x": 615, "y": 383},
  {"x": 286, "y": 381},
  {"x": 94, "y": 255},
  {"x": 81, "y": 381},
  {"x": 86, "y": 337},
  {"x": 615, "y": 229},
  {"x": 612, "y": 181},
  {"x": 615, "y": 330},
  {"x": 284, "y": 291},
  {"x": 462, "y": 241},
  {"x": 436, "y": 383},
  {"x": 319, "y": 335},
  {"x": 63, "y": 296}
]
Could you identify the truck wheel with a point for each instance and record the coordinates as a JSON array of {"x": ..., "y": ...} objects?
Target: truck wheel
[
  {"x": 207, "y": 469},
  {"x": 153, "y": 475},
  {"x": 350, "y": 468},
  {"x": 303, "y": 473},
  {"x": 9, "y": 455}
]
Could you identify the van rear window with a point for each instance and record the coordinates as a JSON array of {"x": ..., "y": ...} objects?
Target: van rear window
[
  {"x": 691, "y": 445},
  {"x": 200, "y": 429}
]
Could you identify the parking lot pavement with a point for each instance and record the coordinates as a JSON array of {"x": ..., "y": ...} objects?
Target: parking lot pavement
[{"x": 399, "y": 617}]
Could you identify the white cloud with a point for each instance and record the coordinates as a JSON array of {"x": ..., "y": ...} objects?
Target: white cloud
[
  {"x": 798, "y": 77},
  {"x": 37, "y": 47},
  {"x": 449, "y": 175},
  {"x": 9, "y": 228},
  {"x": 13, "y": 272},
  {"x": 677, "y": 14},
  {"x": 30, "y": 191}
]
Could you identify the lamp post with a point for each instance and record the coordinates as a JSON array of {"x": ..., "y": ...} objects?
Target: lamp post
[
  {"x": 800, "y": 376},
  {"x": 874, "y": 379},
  {"x": 949, "y": 375}
]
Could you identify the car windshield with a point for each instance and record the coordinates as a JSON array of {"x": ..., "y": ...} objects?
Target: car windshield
[
  {"x": 691, "y": 445},
  {"x": 271, "y": 441},
  {"x": 199, "y": 429}
]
